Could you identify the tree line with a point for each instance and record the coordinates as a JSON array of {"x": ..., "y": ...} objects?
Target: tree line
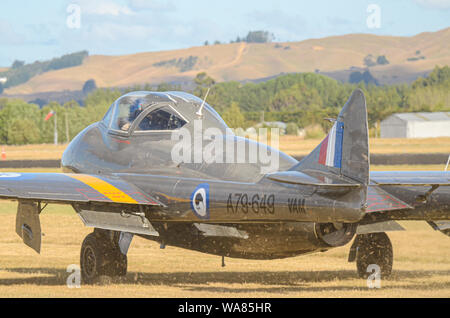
[
  {"x": 20, "y": 72},
  {"x": 305, "y": 99},
  {"x": 252, "y": 37},
  {"x": 302, "y": 99}
]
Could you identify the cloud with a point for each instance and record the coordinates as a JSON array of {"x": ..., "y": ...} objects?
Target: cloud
[
  {"x": 338, "y": 21},
  {"x": 8, "y": 35},
  {"x": 142, "y": 31},
  {"x": 105, "y": 32},
  {"x": 284, "y": 26},
  {"x": 153, "y": 5},
  {"x": 42, "y": 34},
  {"x": 434, "y": 4},
  {"x": 133, "y": 26},
  {"x": 103, "y": 8}
]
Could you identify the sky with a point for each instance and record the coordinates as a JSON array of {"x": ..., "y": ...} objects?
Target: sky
[{"x": 38, "y": 30}]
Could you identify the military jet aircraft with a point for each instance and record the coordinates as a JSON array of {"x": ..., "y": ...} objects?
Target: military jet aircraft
[{"x": 122, "y": 178}]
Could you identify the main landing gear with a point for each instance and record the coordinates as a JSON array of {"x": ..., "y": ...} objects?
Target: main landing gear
[
  {"x": 101, "y": 255},
  {"x": 372, "y": 249}
]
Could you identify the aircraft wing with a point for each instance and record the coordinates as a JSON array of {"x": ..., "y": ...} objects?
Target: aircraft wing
[
  {"x": 381, "y": 200},
  {"x": 71, "y": 188},
  {"x": 409, "y": 195},
  {"x": 411, "y": 178}
]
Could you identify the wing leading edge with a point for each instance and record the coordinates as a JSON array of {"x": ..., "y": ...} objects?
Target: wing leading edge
[
  {"x": 411, "y": 178},
  {"x": 71, "y": 188}
]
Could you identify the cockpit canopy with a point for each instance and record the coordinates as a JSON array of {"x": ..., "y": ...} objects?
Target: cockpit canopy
[{"x": 153, "y": 111}]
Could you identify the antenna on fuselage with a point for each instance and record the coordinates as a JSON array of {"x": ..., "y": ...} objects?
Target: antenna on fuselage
[{"x": 200, "y": 110}]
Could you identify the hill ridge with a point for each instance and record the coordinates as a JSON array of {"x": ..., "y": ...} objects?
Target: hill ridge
[{"x": 335, "y": 56}]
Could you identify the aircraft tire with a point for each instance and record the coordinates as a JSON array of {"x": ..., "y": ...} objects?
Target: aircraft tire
[
  {"x": 115, "y": 262},
  {"x": 374, "y": 248},
  {"x": 99, "y": 257},
  {"x": 91, "y": 259}
]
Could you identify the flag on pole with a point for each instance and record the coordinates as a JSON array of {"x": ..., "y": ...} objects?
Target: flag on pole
[{"x": 49, "y": 115}]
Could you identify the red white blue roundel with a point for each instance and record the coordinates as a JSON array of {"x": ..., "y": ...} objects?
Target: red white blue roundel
[{"x": 200, "y": 201}]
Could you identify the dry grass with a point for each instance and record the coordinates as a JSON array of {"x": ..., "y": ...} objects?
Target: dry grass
[
  {"x": 407, "y": 167},
  {"x": 291, "y": 145},
  {"x": 421, "y": 267},
  {"x": 372, "y": 167},
  {"x": 33, "y": 152},
  {"x": 294, "y": 145}
]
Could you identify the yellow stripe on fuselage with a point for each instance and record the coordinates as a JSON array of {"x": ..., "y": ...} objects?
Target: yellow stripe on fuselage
[{"x": 108, "y": 190}]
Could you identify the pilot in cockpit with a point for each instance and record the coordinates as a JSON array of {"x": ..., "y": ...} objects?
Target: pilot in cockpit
[{"x": 135, "y": 109}]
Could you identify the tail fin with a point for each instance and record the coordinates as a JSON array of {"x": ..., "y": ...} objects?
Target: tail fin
[{"x": 345, "y": 151}]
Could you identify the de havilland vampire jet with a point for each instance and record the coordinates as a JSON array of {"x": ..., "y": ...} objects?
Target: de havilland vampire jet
[{"x": 122, "y": 178}]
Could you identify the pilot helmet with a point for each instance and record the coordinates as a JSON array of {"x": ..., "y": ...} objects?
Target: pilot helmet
[{"x": 136, "y": 108}]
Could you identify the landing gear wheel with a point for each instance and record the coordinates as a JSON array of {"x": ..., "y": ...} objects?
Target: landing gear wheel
[
  {"x": 117, "y": 263},
  {"x": 100, "y": 255},
  {"x": 374, "y": 248},
  {"x": 91, "y": 259}
]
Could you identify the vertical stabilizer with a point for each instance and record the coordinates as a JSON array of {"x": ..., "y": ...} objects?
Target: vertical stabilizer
[{"x": 345, "y": 151}]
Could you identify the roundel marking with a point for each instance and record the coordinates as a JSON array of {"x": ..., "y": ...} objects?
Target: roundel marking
[{"x": 200, "y": 201}]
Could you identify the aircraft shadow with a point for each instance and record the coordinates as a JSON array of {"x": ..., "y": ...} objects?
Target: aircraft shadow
[{"x": 273, "y": 282}]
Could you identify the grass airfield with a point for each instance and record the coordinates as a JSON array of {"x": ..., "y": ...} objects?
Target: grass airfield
[
  {"x": 421, "y": 265},
  {"x": 421, "y": 255},
  {"x": 292, "y": 145}
]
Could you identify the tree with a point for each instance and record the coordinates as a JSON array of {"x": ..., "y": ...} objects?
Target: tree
[
  {"x": 65, "y": 61},
  {"x": 292, "y": 129},
  {"x": 259, "y": 37},
  {"x": 40, "y": 102},
  {"x": 23, "y": 131},
  {"x": 166, "y": 87},
  {"x": 233, "y": 116},
  {"x": 366, "y": 77},
  {"x": 17, "y": 64},
  {"x": 439, "y": 76},
  {"x": 12, "y": 110},
  {"x": 203, "y": 82},
  {"x": 368, "y": 61},
  {"x": 1, "y": 88},
  {"x": 382, "y": 60},
  {"x": 202, "y": 79},
  {"x": 89, "y": 86},
  {"x": 296, "y": 97},
  {"x": 20, "y": 72}
]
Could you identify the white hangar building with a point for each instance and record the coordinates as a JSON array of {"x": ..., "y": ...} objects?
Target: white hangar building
[{"x": 416, "y": 125}]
